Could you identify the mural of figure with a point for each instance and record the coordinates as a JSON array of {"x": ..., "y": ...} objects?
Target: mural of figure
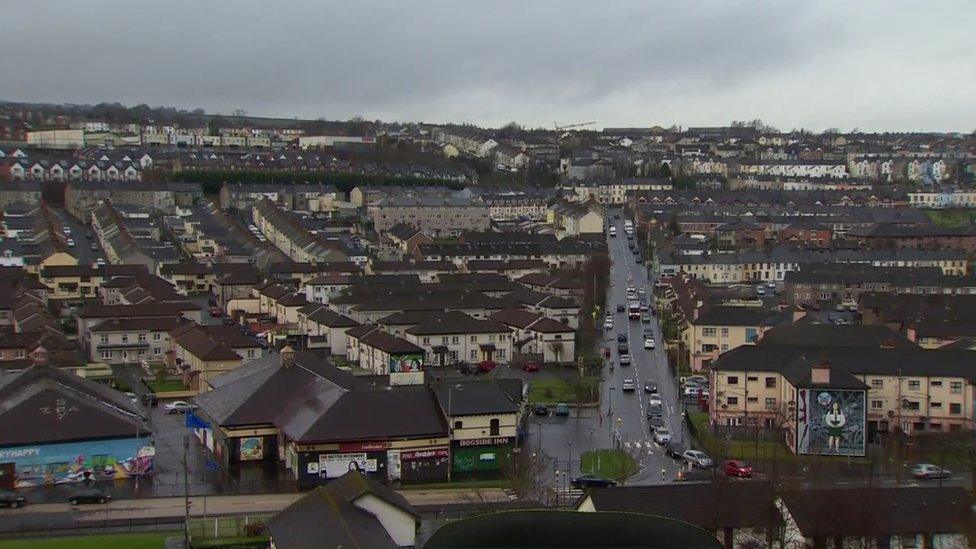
[{"x": 835, "y": 421}]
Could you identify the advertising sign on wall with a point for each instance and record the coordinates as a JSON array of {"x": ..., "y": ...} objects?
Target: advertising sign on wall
[
  {"x": 48, "y": 464},
  {"x": 831, "y": 422},
  {"x": 252, "y": 449},
  {"x": 412, "y": 362},
  {"x": 336, "y": 465}
]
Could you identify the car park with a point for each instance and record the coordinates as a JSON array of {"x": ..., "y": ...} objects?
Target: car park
[
  {"x": 540, "y": 410},
  {"x": 591, "y": 481},
  {"x": 697, "y": 458},
  {"x": 927, "y": 471},
  {"x": 12, "y": 500},
  {"x": 737, "y": 468},
  {"x": 649, "y": 343},
  {"x": 662, "y": 435},
  {"x": 627, "y": 385},
  {"x": 90, "y": 495},
  {"x": 179, "y": 407},
  {"x": 562, "y": 409}
]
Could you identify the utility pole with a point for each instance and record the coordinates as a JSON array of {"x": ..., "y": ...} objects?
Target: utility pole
[{"x": 186, "y": 494}]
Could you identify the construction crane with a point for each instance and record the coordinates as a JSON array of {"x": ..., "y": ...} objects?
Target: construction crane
[{"x": 571, "y": 126}]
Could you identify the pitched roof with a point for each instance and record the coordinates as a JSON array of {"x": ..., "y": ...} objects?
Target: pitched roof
[
  {"x": 832, "y": 335},
  {"x": 475, "y": 397},
  {"x": 458, "y": 323}
]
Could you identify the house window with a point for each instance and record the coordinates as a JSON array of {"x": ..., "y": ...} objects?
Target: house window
[
  {"x": 458, "y": 424},
  {"x": 955, "y": 408},
  {"x": 474, "y": 339},
  {"x": 732, "y": 401},
  {"x": 877, "y": 383},
  {"x": 103, "y": 338},
  {"x": 936, "y": 405},
  {"x": 455, "y": 339},
  {"x": 501, "y": 353},
  {"x": 725, "y": 332},
  {"x": 142, "y": 338},
  {"x": 474, "y": 354},
  {"x": 142, "y": 352},
  {"x": 708, "y": 332},
  {"x": 914, "y": 385},
  {"x": 250, "y": 353},
  {"x": 733, "y": 380},
  {"x": 19, "y": 353},
  {"x": 770, "y": 382},
  {"x": 751, "y": 334},
  {"x": 157, "y": 350},
  {"x": 426, "y": 341},
  {"x": 935, "y": 383},
  {"x": 910, "y": 405},
  {"x": 770, "y": 403},
  {"x": 106, "y": 354},
  {"x": 444, "y": 340},
  {"x": 876, "y": 404},
  {"x": 157, "y": 336},
  {"x": 955, "y": 387},
  {"x": 493, "y": 428},
  {"x": 125, "y": 338}
]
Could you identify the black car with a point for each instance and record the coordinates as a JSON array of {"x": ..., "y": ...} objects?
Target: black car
[
  {"x": 540, "y": 410},
  {"x": 88, "y": 236},
  {"x": 621, "y": 308},
  {"x": 654, "y": 410},
  {"x": 622, "y": 337},
  {"x": 90, "y": 495},
  {"x": 12, "y": 500},
  {"x": 623, "y": 349},
  {"x": 150, "y": 399},
  {"x": 592, "y": 481},
  {"x": 656, "y": 422},
  {"x": 674, "y": 451},
  {"x": 650, "y": 387}
]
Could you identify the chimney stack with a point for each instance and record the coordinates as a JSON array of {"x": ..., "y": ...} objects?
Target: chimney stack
[{"x": 287, "y": 356}]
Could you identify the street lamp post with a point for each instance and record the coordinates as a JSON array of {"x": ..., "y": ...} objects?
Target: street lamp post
[
  {"x": 569, "y": 462},
  {"x": 450, "y": 423}
]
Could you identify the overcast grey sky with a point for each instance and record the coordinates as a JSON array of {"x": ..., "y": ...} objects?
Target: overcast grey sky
[{"x": 886, "y": 65}]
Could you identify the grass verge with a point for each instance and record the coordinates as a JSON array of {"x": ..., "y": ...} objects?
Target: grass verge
[
  {"x": 553, "y": 390},
  {"x": 606, "y": 463},
  {"x": 112, "y": 541},
  {"x": 166, "y": 386}
]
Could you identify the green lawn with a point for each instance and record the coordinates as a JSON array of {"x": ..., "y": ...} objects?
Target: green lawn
[
  {"x": 166, "y": 385},
  {"x": 615, "y": 464},
  {"x": 951, "y": 218},
  {"x": 113, "y": 541},
  {"x": 553, "y": 390}
]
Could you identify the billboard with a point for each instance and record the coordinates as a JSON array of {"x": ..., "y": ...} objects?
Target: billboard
[
  {"x": 336, "y": 465},
  {"x": 402, "y": 363},
  {"x": 830, "y": 422},
  {"x": 47, "y": 464}
]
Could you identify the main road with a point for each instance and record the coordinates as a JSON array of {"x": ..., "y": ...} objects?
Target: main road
[{"x": 621, "y": 418}]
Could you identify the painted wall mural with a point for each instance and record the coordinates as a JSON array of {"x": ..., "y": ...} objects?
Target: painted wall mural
[
  {"x": 831, "y": 422},
  {"x": 47, "y": 464}
]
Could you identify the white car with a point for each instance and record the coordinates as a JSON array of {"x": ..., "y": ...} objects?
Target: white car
[
  {"x": 67, "y": 230},
  {"x": 927, "y": 471},
  {"x": 628, "y": 385},
  {"x": 649, "y": 343},
  {"x": 625, "y": 360},
  {"x": 179, "y": 407},
  {"x": 100, "y": 262},
  {"x": 608, "y": 324},
  {"x": 654, "y": 400},
  {"x": 71, "y": 243},
  {"x": 662, "y": 435},
  {"x": 691, "y": 391},
  {"x": 697, "y": 458}
]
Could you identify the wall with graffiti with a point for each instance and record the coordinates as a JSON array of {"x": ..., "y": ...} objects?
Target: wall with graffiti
[
  {"x": 46, "y": 464},
  {"x": 831, "y": 422}
]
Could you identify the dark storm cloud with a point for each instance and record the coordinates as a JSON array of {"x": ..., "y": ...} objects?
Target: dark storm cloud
[{"x": 621, "y": 63}]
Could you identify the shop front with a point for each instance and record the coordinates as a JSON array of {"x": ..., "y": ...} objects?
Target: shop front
[
  {"x": 484, "y": 457},
  {"x": 404, "y": 461}
]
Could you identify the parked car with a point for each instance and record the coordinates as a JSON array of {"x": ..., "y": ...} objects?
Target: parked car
[
  {"x": 662, "y": 435},
  {"x": 649, "y": 343},
  {"x": 697, "y": 458},
  {"x": 650, "y": 387},
  {"x": 737, "y": 468},
  {"x": 562, "y": 409},
  {"x": 540, "y": 410},
  {"x": 12, "y": 500},
  {"x": 591, "y": 481},
  {"x": 929, "y": 471},
  {"x": 486, "y": 366},
  {"x": 627, "y": 385},
  {"x": 530, "y": 366},
  {"x": 90, "y": 495},
  {"x": 468, "y": 369},
  {"x": 674, "y": 451},
  {"x": 150, "y": 399},
  {"x": 179, "y": 407},
  {"x": 691, "y": 391},
  {"x": 697, "y": 378}
]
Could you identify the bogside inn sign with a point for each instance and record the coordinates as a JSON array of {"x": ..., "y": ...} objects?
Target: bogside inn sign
[{"x": 490, "y": 441}]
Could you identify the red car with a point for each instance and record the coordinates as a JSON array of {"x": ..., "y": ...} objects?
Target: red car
[
  {"x": 215, "y": 312},
  {"x": 530, "y": 366},
  {"x": 738, "y": 468},
  {"x": 486, "y": 366}
]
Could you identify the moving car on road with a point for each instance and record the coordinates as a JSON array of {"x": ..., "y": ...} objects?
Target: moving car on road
[
  {"x": 625, "y": 360},
  {"x": 540, "y": 410},
  {"x": 179, "y": 407},
  {"x": 650, "y": 387},
  {"x": 737, "y": 468},
  {"x": 654, "y": 400},
  {"x": 655, "y": 411},
  {"x": 929, "y": 471},
  {"x": 12, "y": 500},
  {"x": 622, "y": 337},
  {"x": 591, "y": 481},
  {"x": 649, "y": 343},
  {"x": 90, "y": 495},
  {"x": 628, "y": 385},
  {"x": 697, "y": 458},
  {"x": 662, "y": 435},
  {"x": 621, "y": 308}
]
